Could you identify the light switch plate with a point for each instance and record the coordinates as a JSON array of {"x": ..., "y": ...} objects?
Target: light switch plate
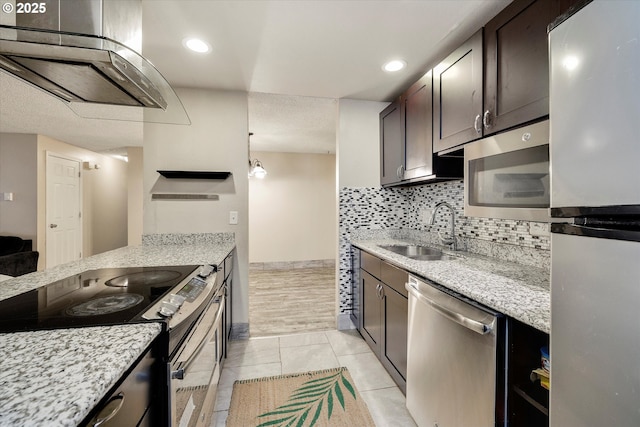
[
  {"x": 233, "y": 217},
  {"x": 7, "y": 197}
]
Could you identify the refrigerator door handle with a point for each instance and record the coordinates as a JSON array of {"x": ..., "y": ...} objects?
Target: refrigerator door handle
[{"x": 474, "y": 325}]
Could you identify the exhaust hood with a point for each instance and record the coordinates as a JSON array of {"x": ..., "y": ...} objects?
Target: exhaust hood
[
  {"x": 86, "y": 53},
  {"x": 191, "y": 185}
]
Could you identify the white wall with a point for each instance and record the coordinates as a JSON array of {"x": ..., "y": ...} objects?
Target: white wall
[
  {"x": 104, "y": 195},
  {"x": 358, "y": 143},
  {"x": 216, "y": 140},
  {"x": 18, "y": 175},
  {"x": 292, "y": 210}
]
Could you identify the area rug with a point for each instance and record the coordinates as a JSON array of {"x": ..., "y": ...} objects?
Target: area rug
[{"x": 319, "y": 399}]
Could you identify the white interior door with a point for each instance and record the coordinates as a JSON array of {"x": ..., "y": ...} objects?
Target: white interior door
[{"x": 63, "y": 211}]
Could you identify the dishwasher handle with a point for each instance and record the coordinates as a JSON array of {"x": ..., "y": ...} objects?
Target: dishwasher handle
[{"x": 478, "y": 327}]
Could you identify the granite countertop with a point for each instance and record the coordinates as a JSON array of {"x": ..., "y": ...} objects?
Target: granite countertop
[
  {"x": 519, "y": 291},
  {"x": 55, "y": 378}
]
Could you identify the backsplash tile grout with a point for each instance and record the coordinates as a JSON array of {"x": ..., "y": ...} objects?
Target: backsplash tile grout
[{"x": 399, "y": 212}]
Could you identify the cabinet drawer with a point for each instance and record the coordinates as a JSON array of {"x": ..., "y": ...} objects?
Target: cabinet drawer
[
  {"x": 370, "y": 263},
  {"x": 394, "y": 277}
]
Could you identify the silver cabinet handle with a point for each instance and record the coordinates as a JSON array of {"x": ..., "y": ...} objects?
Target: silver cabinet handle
[
  {"x": 53, "y": 225},
  {"x": 468, "y": 323},
  {"x": 400, "y": 172},
  {"x": 109, "y": 410},
  {"x": 477, "y": 125},
  {"x": 486, "y": 119}
]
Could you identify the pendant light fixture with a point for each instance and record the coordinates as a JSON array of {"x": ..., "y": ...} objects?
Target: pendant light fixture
[{"x": 255, "y": 166}]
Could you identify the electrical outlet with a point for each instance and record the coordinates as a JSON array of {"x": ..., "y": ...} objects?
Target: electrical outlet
[
  {"x": 539, "y": 229},
  {"x": 233, "y": 217}
]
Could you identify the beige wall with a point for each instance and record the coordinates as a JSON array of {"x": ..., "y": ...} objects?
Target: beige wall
[
  {"x": 216, "y": 140},
  {"x": 104, "y": 198},
  {"x": 292, "y": 212},
  {"x": 135, "y": 173},
  {"x": 358, "y": 143},
  {"x": 18, "y": 175}
]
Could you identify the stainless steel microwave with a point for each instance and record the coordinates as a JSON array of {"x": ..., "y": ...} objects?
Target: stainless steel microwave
[{"x": 507, "y": 175}]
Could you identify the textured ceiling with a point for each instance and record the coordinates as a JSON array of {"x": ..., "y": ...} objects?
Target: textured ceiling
[
  {"x": 289, "y": 123},
  {"x": 306, "y": 53}
]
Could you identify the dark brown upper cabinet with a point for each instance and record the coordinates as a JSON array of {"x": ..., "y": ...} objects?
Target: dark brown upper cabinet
[
  {"x": 391, "y": 145},
  {"x": 516, "y": 58},
  {"x": 457, "y": 96},
  {"x": 407, "y": 152},
  {"x": 416, "y": 112}
]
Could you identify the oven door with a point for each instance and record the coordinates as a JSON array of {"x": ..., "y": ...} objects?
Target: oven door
[
  {"x": 195, "y": 369},
  {"x": 507, "y": 175}
]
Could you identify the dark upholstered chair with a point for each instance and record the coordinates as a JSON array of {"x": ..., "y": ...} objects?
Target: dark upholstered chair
[{"x": 16, "y": 256}]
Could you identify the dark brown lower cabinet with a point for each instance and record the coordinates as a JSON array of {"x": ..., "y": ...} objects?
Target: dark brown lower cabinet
[
  {"x": 371, "y": 307},
  {"x": 383, "y": 315},
  {"x": 394, "y": 344}
]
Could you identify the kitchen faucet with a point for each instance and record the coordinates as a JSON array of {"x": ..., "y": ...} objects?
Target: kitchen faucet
[{"x": 446, "y": 241}]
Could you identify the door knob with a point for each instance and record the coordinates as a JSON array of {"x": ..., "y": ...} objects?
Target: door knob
[{"x": 53, "y": 225}]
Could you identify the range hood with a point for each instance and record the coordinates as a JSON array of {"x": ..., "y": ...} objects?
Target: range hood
[
  {"x": 191, "y": 185},
  {"x": 86, "y": 53}
]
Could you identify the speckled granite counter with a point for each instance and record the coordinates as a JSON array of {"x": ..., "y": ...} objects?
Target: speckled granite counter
[
  {"x": 162, "y": 250},
  {"x": 55, "y": 378},
  {"x": 516, "y": 290}
]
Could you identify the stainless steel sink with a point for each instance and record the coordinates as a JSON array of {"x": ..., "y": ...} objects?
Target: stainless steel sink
[{"x": 418, "y": 252}]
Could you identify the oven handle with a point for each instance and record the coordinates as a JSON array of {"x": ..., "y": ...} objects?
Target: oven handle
[{"x": 184, "y": 366}]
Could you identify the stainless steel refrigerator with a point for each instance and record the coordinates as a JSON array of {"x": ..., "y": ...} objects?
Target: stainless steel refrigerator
[{"x": 595, "y": 185}]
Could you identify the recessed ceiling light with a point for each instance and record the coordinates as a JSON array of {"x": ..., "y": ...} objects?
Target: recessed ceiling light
[
  {"x": 196, "y": 45},
  {"x": 395, "y": 65}
]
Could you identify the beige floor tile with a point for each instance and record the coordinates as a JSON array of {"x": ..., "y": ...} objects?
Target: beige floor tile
[
  {"x": 367, "y": 371},
  {"x": 298, "y": 340},
  {"x": 347, "y": 342},
  {"x": 253, "y": 352},
  {"x": 387, "y": 407},
  {"x": 308, "y": 358}
]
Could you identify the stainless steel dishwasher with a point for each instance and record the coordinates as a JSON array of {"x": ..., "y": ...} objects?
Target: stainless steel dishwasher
[{"x": 455, "y": 361}]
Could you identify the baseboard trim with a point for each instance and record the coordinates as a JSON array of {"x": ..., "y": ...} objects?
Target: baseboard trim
[{"x": 292, "y": 265}]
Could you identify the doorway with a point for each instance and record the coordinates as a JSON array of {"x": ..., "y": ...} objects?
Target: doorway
[
  {"x": 292, "y": 215},
  {"x": 63, "y": 210}
]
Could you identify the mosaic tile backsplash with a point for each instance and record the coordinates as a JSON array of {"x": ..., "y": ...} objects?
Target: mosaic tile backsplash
[{"x": 403, "y": 212}]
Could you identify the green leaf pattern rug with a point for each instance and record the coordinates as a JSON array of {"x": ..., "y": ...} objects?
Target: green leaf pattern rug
[{"x": 312, "y": 399}]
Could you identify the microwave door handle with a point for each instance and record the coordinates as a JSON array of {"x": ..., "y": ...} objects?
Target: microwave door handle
[{"x": 184, "y": 366}]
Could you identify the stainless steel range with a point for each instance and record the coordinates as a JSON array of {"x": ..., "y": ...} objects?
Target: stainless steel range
[{"x": 182, "y": 367}]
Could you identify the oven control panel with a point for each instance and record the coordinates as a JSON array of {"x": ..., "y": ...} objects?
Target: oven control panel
[
  {"x": 192, "y": 289},
  {"x": 188, "y": 295}
]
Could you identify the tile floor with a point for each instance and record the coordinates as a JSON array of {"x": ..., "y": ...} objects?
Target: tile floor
[{"x": 284, "y": 354}]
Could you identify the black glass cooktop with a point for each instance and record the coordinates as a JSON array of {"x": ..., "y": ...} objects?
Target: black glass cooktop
[{"x": 95, "y": 297}]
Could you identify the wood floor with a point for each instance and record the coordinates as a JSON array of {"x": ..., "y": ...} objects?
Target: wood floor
[{"x": 291, "y": 301}]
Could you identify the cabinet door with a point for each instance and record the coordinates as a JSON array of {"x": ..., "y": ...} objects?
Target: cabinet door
[
  {"x": 457, "y": 96},
  {"x": 391, "y": 145},
  {"x": 371, "y": 311},
  {"x": 355, "y": 288},
  {"x": 394, "y": 344},
  {"x": 516, "y": 55},
  {"x": 417, "y": 107}
]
